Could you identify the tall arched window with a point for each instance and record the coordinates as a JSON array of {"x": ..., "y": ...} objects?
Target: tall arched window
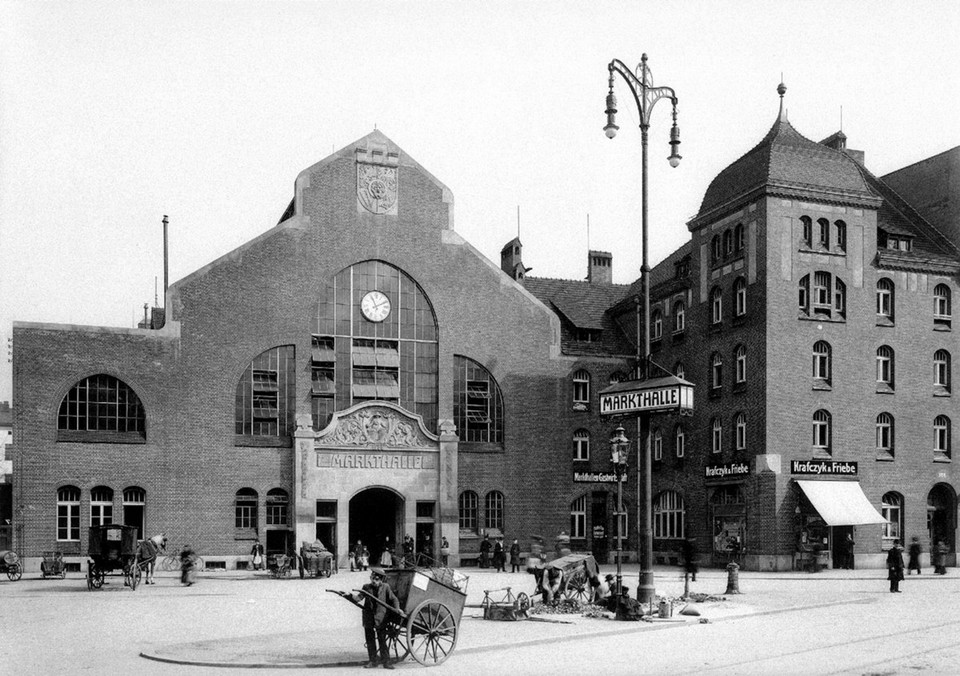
[
  {"x": 478, "y": 403},
  {"x": 821, "y": 432},
  {"x": 657, "y": 444},
  {"x": 806, "y": 236},
  {"x": 493, "y": 511},
  {"x": 727, "y": 242},
  {"x": 823, "y": 232},
  {"x": 581, "y": 445},
  {"x": 134, "y": 508},
  {"x": 941, "y": 370},
  {"x": 104, "y": 405},
  {"x": 245, "y": 509},
  {"x": 822, "y": 358},
  {"x": 469, "y": 508},
  {"x": 803, "y": 289},
  {"x": 740, "y": 357},
  {"x": 941, "y": 438},
  {"x": 941, "y": 305},
  {"x": 581, "y": 390},
  {"x": 101, "y": 506},
  {"x": 716, "y": 305},
  {"x": 716, "y": 438},
  {"x": 740, "y": 296},
  {"x": 668, "y": 516},
  {"x": 267, "y": 395},
  {"x": 740, "y": 439},
  {"x": 891, "y": 508},
  {"x": 578, "y": 518},
  {"x": 716, "y": 248},
  {"x": 277, "y": 505},
  {"x": 885, "y": 434},
  {"x": 656, "y": 323},
  {"x": 840, "y": 230},
  {"x": 738, "y": 237},
  {"x": 716, "y": 371},
  {"x": 679, "y": 441},
  {"x": 679, "y": 316},
  {"x": 68, "y": 514},
  {"x": 885, "y": 367},
  {"x": 885, "y": 300}
]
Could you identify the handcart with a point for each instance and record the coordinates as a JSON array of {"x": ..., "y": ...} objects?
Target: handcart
[
  {"x": 502, "y": 604},
  {"x": 431, "y": 605},
  {"x": 279, "y": 565},
  {"x": 10, "y": 564},
  {"x": 316, "y": 560},
  {"x": 53, "y": 565},
  {"x": 576, "y": 571},
  {"x": 112, "y": 548}
]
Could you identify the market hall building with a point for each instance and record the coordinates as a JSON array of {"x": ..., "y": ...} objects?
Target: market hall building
[{"x": 360, "y": 372}]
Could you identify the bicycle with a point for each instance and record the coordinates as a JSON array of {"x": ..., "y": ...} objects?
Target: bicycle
[{"x": 171, "y": 562}]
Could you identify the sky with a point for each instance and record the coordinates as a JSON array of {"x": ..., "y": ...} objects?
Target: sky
[{"x": 114, "y": 114}]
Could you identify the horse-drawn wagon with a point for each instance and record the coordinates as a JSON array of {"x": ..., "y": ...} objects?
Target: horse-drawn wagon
[{"x": 112, "y": 548}]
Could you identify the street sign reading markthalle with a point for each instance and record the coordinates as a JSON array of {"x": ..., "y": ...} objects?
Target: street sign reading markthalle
[{"x": 665, "y": 394}]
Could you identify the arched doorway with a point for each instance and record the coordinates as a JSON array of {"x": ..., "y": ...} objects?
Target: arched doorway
[
  {"x": 941, "y": 516},
  {"x": 375, "y": 515}
]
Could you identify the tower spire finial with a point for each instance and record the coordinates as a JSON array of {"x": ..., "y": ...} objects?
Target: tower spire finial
[{"x": 781, "y": 90}]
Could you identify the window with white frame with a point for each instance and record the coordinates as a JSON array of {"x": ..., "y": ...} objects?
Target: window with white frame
[
  {"x": 68, "y": 514},
  {"x": 821, "y": 432},
  {"x": 679, "y": 441},
  {"x": 656, "y": 322},
  {"x": 885, "y": 299},
  {"x": 101, "y": 506},
  {"x": 822, "y": 361},
  {"x": 493, "y": 512},
  {"x": 581, "y": 445},
  {"x": 885, "y": 434},
  {"x": 581, "y": 389},
  {"x": 740, "y": 437},
  {"x": 716, "y": 371},
  {"x": 657, "y": 444},
  {"x": 727, "y": 242},
  {"x": 716, "y": 249},
  {"x": 823, "y": 233},
  {"x": 245, "y": 509},
  {"x": 941, "y": 305},
  {"x": 716, "y": 438},
  {"x": 941, "y": 437},
  {"x": 840, "y": 235},
  {"x": 668, "y": 516},
  {"x": 738, "y": 237},
  {"x": 740, "y": 296},
  {"x": 740, "y": 356},
  {"x": 679, "y": 316},
  {"x": 885, "y": 367},
  {"x": 941, "y": 370},
  {"x": 891, "y": 509},
  {"x": 578, "y": 518},
  {"x": 469, "y": 511},
  {"x": 716, "y": 305},
  {"x": 826, "y": 297},
  {"x": 277, "y": 506}
]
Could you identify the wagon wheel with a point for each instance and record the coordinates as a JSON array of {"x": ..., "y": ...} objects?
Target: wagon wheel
[
  {"x": 63, "y": 573},
  {"x": 523, "y": 603},
  {"x": 397, "y": 646},
  {"x": 14, "y": 572},
  {"x": 43, "y": 572},
  {"x": 94, "y": 577},
  {"x": 431, "y": 633},
  {"x": 577, "y": 587},
  {"x": 135, "y": 575}
]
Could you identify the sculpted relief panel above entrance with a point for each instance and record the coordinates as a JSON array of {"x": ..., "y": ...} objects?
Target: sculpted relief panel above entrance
[{"x": 376, "y": 427}]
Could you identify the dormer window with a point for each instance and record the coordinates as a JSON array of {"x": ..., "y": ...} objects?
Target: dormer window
[
  {"x": 587, "y": 335},
  {"x": 894, "y": 242}
]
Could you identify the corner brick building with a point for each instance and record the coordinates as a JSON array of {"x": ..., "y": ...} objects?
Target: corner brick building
[{"x": 360, "y": 372}]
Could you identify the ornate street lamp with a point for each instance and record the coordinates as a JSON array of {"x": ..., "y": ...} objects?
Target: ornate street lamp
[
  {"x": 646, "y": 95},
  {"x": 619, "y": 447}
]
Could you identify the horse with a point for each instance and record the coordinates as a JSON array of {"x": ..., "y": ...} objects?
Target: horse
[{"x": 147, "y": 554}]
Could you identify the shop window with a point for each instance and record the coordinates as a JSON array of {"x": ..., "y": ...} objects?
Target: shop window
[
  {"x": 740, "y": 356},
  {"x": 941, "y": 306},
  {"x": 716, "y": 437},
  {"x": 134, "y": 508},
  {"x": 101, "y": 506},
  {"x": 891, "y": 508},
  {"x": 245, "y": 509},
  {"x": 884, "y": 301},
  {"x": 822, "y": 362},
  {"x": 493, "y": 511},
  {"x": 68, "y": 514},
  {"x": 738, "y": 237},
  {"x": 716, "y": 305},
  {"x": 578, "y": 518},
  {"x": 581, "y": 445},
  {"x": 821, "y": 433},
  {"x": 679, "y": 441},
  {"x": 941, "y": 438},
  {"x": 840, "y": 235},
  {"x": 266, "y": 395},
  {"x": 740, "y": 296},
  {"x": 679, "y": 317},
  {"x": 657, "y": 444},
  {"x": 885, "y": 436},
  {"x": 478, "y": 403},
  {"x": 277, "y": 505},
  {"x": 581, "y": 390},
  {"x": 656, "y": 322},
  {"x": 469, "y": 508},
  {"x": 806, "y": 236},
  {"x": 668, "y": 516},
  {"x": 941, "y": 372},
  {"x": 885, "y": 369},
  {"x": 740, "y": 438},
  {"x": 103, "y": 408}
]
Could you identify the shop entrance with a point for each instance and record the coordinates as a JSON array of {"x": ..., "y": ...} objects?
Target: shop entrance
[
  {"x": 376, "y": 514},
  {"x": 598, "y": 519},
  {"x": 941, "y": 517}
]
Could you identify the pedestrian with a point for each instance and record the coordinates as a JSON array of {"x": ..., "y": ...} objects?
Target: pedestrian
[
  {"x": 386, "y": 556},
  {"x": 364, "y": 558},
  {"x": 848, "y": 545},
  {"x": 913, "y": 564},
  {"x": 375, "y": 617},
  {"x": 407, "y": 551},
  {"x": 940, "y": 558},
  {"x": 426, "y": 550},
  {"x": 515, "y": 557},
  {"x": 257, "y": 553},
  {"x": 688, "y": 551},
  {"x": 444, "y": 550},
  {"x": 498, "y": 556},
  {"x": 895, "y": 566},
  {"x": 188, "y": 571},
  {"x": 485, "y": 547}
]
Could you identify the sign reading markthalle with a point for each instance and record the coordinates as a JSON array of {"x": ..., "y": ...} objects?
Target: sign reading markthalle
[{"x": 641, "y": 396}]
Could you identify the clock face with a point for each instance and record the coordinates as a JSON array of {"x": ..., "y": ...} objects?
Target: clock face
[{"x": 375, "y": 306}]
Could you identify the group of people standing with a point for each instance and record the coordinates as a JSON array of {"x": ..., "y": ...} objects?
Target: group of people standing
[
  {"x": 895, "y": 561},
  {"x": 494, "y": 552}
]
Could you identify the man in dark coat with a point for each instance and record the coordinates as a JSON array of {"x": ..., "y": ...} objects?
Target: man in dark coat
[
  {"x": 895, "y": 566},
  {"x": 913, "y": 564},
  {"x": 485, "y": 547},
  {"x": 375, "y": 617},
  {"x": 688, "y": 550},
  {"x": 515, "y": 557}
]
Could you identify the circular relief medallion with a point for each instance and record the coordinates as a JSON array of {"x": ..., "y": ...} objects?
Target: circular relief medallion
[{"x": 377, "y": 188}]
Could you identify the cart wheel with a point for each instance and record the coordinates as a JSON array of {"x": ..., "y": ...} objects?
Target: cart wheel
[
  {"x": 431, "y": 633},
  {"x": 523, "y": 603},
  {"x": 14, "y": 572},
  {"x": 89, "y": 578},
  {"x": 95, "y": 577},
  {"x": 135, "y": 575},
  {"x": 63, "y": 573},
  {"x": 577, "y": 589},
  {"x": 397, "y": 646}
]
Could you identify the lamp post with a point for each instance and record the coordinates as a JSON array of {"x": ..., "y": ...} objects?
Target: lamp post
[
  {"x": 646, "y": 95},
  {"x": 618, "y": 457}
]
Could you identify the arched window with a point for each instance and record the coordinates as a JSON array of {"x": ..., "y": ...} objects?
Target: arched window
[
  {"x": 716, "y": 438},
  {"x": 839, "y": 297},
  {"x": 679, "y": 316},
  {"x": 668, "y": 516},
  {"x": 581, "y": 445},
  {"x": 478, "y": 403},
  {"x": 823, "y": 232},
  {"x": 618, "y": 377},
  {"x": 656, "y": 322},
  {"x": 807, "y": 231},
  {"x": 941, "y": 438},
  {"x": 277, "y": 506},
  {"x": 68, "y": 514},
  {"x": 657, "y": 444},
  {"x": 840, "y": 234},
  {"x": 885, "y": 299},
  {"x": 716, "y": 371},
  {"x": 679, "y": 441},
  {"x": 941, "y": 305},
  {"x": 825, "y": 297},
  {"x": 727, "y": 242},
  {"x": 740, "y": 440},
  {"x": 102, "y": 404},
  {"x": 245, "y": 509},
  {"x": 267, "y": 395},
  {"x": 716, "y": 305},
  {"x": 581, "y": 390},
  {"x": 493, "y": 511},
  {"x": 101, "y": 506},
  {"x": 134, "y": 508},
  {"x": 740, "y": 296},
  {"x": 716, "y": 248},
  {"x": 822, "y": 361},
  {"x": 821, "y": 432},
  {"x": 885, "y": 367},
  {"x": 804, "y": 292},
  {"x": 885, "y": 434},
  {"x": 468, "y": 511},
  {"x": 738, "y": 237},
  {"x": 678, "y": 370},
  {"x": 578, "y": 518},
  {"x": 891, "y": 508},
  {"x": 941, "y": 370},
  {"x": 740, "y": 356},
  {"x": 821, "y": 291}
]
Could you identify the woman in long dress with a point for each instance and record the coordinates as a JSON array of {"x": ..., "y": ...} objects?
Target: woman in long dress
[{"x": 386, "y": 556}]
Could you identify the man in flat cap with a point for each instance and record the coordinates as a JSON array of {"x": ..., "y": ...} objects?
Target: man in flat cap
[{"x": 375, "y": 617}]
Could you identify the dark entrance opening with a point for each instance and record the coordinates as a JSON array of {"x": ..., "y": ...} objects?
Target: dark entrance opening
[
  {"x": 600, "y": 542},
  {"x": 842, "y": 551},
  {"x": 941, "y": 519},
  {"x": 277, "y": 542},
  {"x": 375, "y": 515}
]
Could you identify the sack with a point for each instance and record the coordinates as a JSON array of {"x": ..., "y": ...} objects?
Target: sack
[{"x": 257, "y": 560}]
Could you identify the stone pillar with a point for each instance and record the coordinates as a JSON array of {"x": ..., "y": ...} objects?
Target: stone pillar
[
  {"x": 448, "y": 519},
  {"x": 302, "y": 507}
]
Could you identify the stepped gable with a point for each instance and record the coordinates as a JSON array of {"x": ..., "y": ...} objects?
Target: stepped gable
[{"x": 582, "y": 307}]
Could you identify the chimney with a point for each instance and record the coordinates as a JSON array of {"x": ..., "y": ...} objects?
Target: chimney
[
  {"x": 838, "y": 141},
  {"x": 510, "y": 260},
  {"x": 600, "y": 267}
]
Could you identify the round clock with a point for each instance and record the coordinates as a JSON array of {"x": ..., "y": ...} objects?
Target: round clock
[{"x": 375, "y": 306}]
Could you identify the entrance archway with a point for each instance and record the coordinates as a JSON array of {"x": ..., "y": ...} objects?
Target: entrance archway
[
  {"x": 375, "y": 515},
  {"x": 941, "y": 515}
]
